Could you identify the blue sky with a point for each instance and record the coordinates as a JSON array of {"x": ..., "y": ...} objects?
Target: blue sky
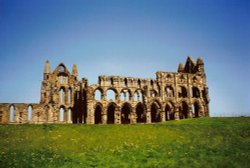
[{"x": 124, "y": 37}]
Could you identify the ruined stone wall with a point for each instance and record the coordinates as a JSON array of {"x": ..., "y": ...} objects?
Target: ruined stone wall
[{"x": 122, "y": 100}]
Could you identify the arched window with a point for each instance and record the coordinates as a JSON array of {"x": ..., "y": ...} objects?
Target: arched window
[
  {"x": 69, "y": 115},
  {"x": 169, "y": 91},
  {"x": 195, "y": 92},
  {"x": 12, "y": 111},
  {"x": 111, "y": 81},
  {"x": 124, "y": 95},
  {"x": 138, "y": 96},
  {"x": 69, "y": 96},
  {"x": 125, "y": 82},
  {"x": 98, "y": 95},
  {"x": 183, "y": 92},
  {"x": 111, "y": 95},
  {"x": 196, "y": 109},
  {"x": 30, "y": 110},
  {"x": 184, "y": 110},
  {"x": 61, "y": 80},
  {"x": 153, "y": 93},
  {"x": 61, "y": 115},
  {"x": 61, "y": 68},
  {"x": 152, "y": 83},
  {"x": 62, "y": 96},
  {"x": 139, "y": 83}
]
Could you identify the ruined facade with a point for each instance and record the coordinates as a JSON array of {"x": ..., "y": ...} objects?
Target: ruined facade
[{"x": 115, "y": 99}]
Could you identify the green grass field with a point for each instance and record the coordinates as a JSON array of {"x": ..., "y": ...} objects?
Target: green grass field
[{"x": 203, "y": 142}]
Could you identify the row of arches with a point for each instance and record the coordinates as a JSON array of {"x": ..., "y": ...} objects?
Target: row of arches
[
  {"x": 64, "y": 115},
  {"x": 126, "y": 94},
  {"x": 139, "y": 114}
]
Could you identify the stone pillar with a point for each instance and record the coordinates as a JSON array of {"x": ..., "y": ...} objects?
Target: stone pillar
[
  {"x": 163, "y": 116},
  {"x": 104, "y": 118},
  {"x": 148, "y": 116},
  {"x": 176, "y": 114},
  {"x": 117, "y": 115},
  {"x": 190, "y": 112},
  {"x": 133, "y": 117}
]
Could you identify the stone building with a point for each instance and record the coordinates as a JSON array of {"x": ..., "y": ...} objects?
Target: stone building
[{"x": 115, "y": 99}]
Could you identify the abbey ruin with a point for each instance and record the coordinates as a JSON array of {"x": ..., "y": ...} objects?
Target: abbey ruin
[{"x": 115, "y": 99}]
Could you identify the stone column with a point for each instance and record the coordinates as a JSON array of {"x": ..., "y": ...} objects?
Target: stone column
[
  {"x": 117, "y": 115},
  {"x": 104, "y": 117},
  {"x": 190, "y": 112},
  {"x": 163, "y": 116},
  {"x": 133, "y": 117},
  {"x": 148, "y": 116},
  {"x": 176, "y": 114}
]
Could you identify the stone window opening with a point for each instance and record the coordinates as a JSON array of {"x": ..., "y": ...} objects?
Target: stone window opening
[
  {"x": 183, "y": 92},
  {"x": 62, "y": 96},
  {"x": 111, "y": 81},
  {"x": 61, "y": 114},
  {"x": 111, "y": 95},
  {"x": 195, "y": 92},
  {"x": 126, "y": 82},
  {"x": 12, "y": 112},
  {"x": 152, "y": 83},
  {"x": 139, "y": 83},
  {"x": 30, "y": 111},
  {"x": 169, "y": 91},
  {"x": 98, "y": 95}
]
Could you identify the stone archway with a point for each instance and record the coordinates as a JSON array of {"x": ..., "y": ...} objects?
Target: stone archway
[
  {"x": 98, "y": 114},
  {"x": 111, "y": 114},
  {"x": 141, "y": 118},
  {"x": 196, "y": 110},
  {"x": 126, "y": 113},
  {"x": 184, "y": 110},
  {"x": 155, "y": 113}
]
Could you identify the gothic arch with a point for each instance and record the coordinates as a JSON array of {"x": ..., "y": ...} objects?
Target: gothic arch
[
  {"x": 184, "y": 110},
  {"x": 111, "y": 108},
  {"x": 126, "y": 112},
  {"x": 196, "y": 109},
  {"x": 114, "y": 94},
  {"x": 155, "y": 109},
  {"x": 140, "y": 113},
  {"x": 169, "y": 111},
  {"x": 98, "y": 113}
]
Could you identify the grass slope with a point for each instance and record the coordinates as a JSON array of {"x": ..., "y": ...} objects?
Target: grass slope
[{"x": 203, "y": 142}]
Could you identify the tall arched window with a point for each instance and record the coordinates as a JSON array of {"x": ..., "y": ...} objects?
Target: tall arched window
[
  {"x": 98, "y": 95},
  {"x": 111, "y": 95},
  {"x": 61, "y": 115},
  {"x": 62, "y": 95},
  {"x": 30, "y": 110},
  {"x": 69, "y": 95},
  {"x": 12, "y": 111}
]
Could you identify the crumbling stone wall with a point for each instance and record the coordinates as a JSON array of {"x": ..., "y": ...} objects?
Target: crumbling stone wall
[{"x": 64, "y": 99}]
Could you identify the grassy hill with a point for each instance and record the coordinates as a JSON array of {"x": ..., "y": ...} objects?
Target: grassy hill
[{"x": 203, "y": 142}]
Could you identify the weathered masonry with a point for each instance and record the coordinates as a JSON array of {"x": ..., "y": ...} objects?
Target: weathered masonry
[{"x": 115, "y": 99}]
